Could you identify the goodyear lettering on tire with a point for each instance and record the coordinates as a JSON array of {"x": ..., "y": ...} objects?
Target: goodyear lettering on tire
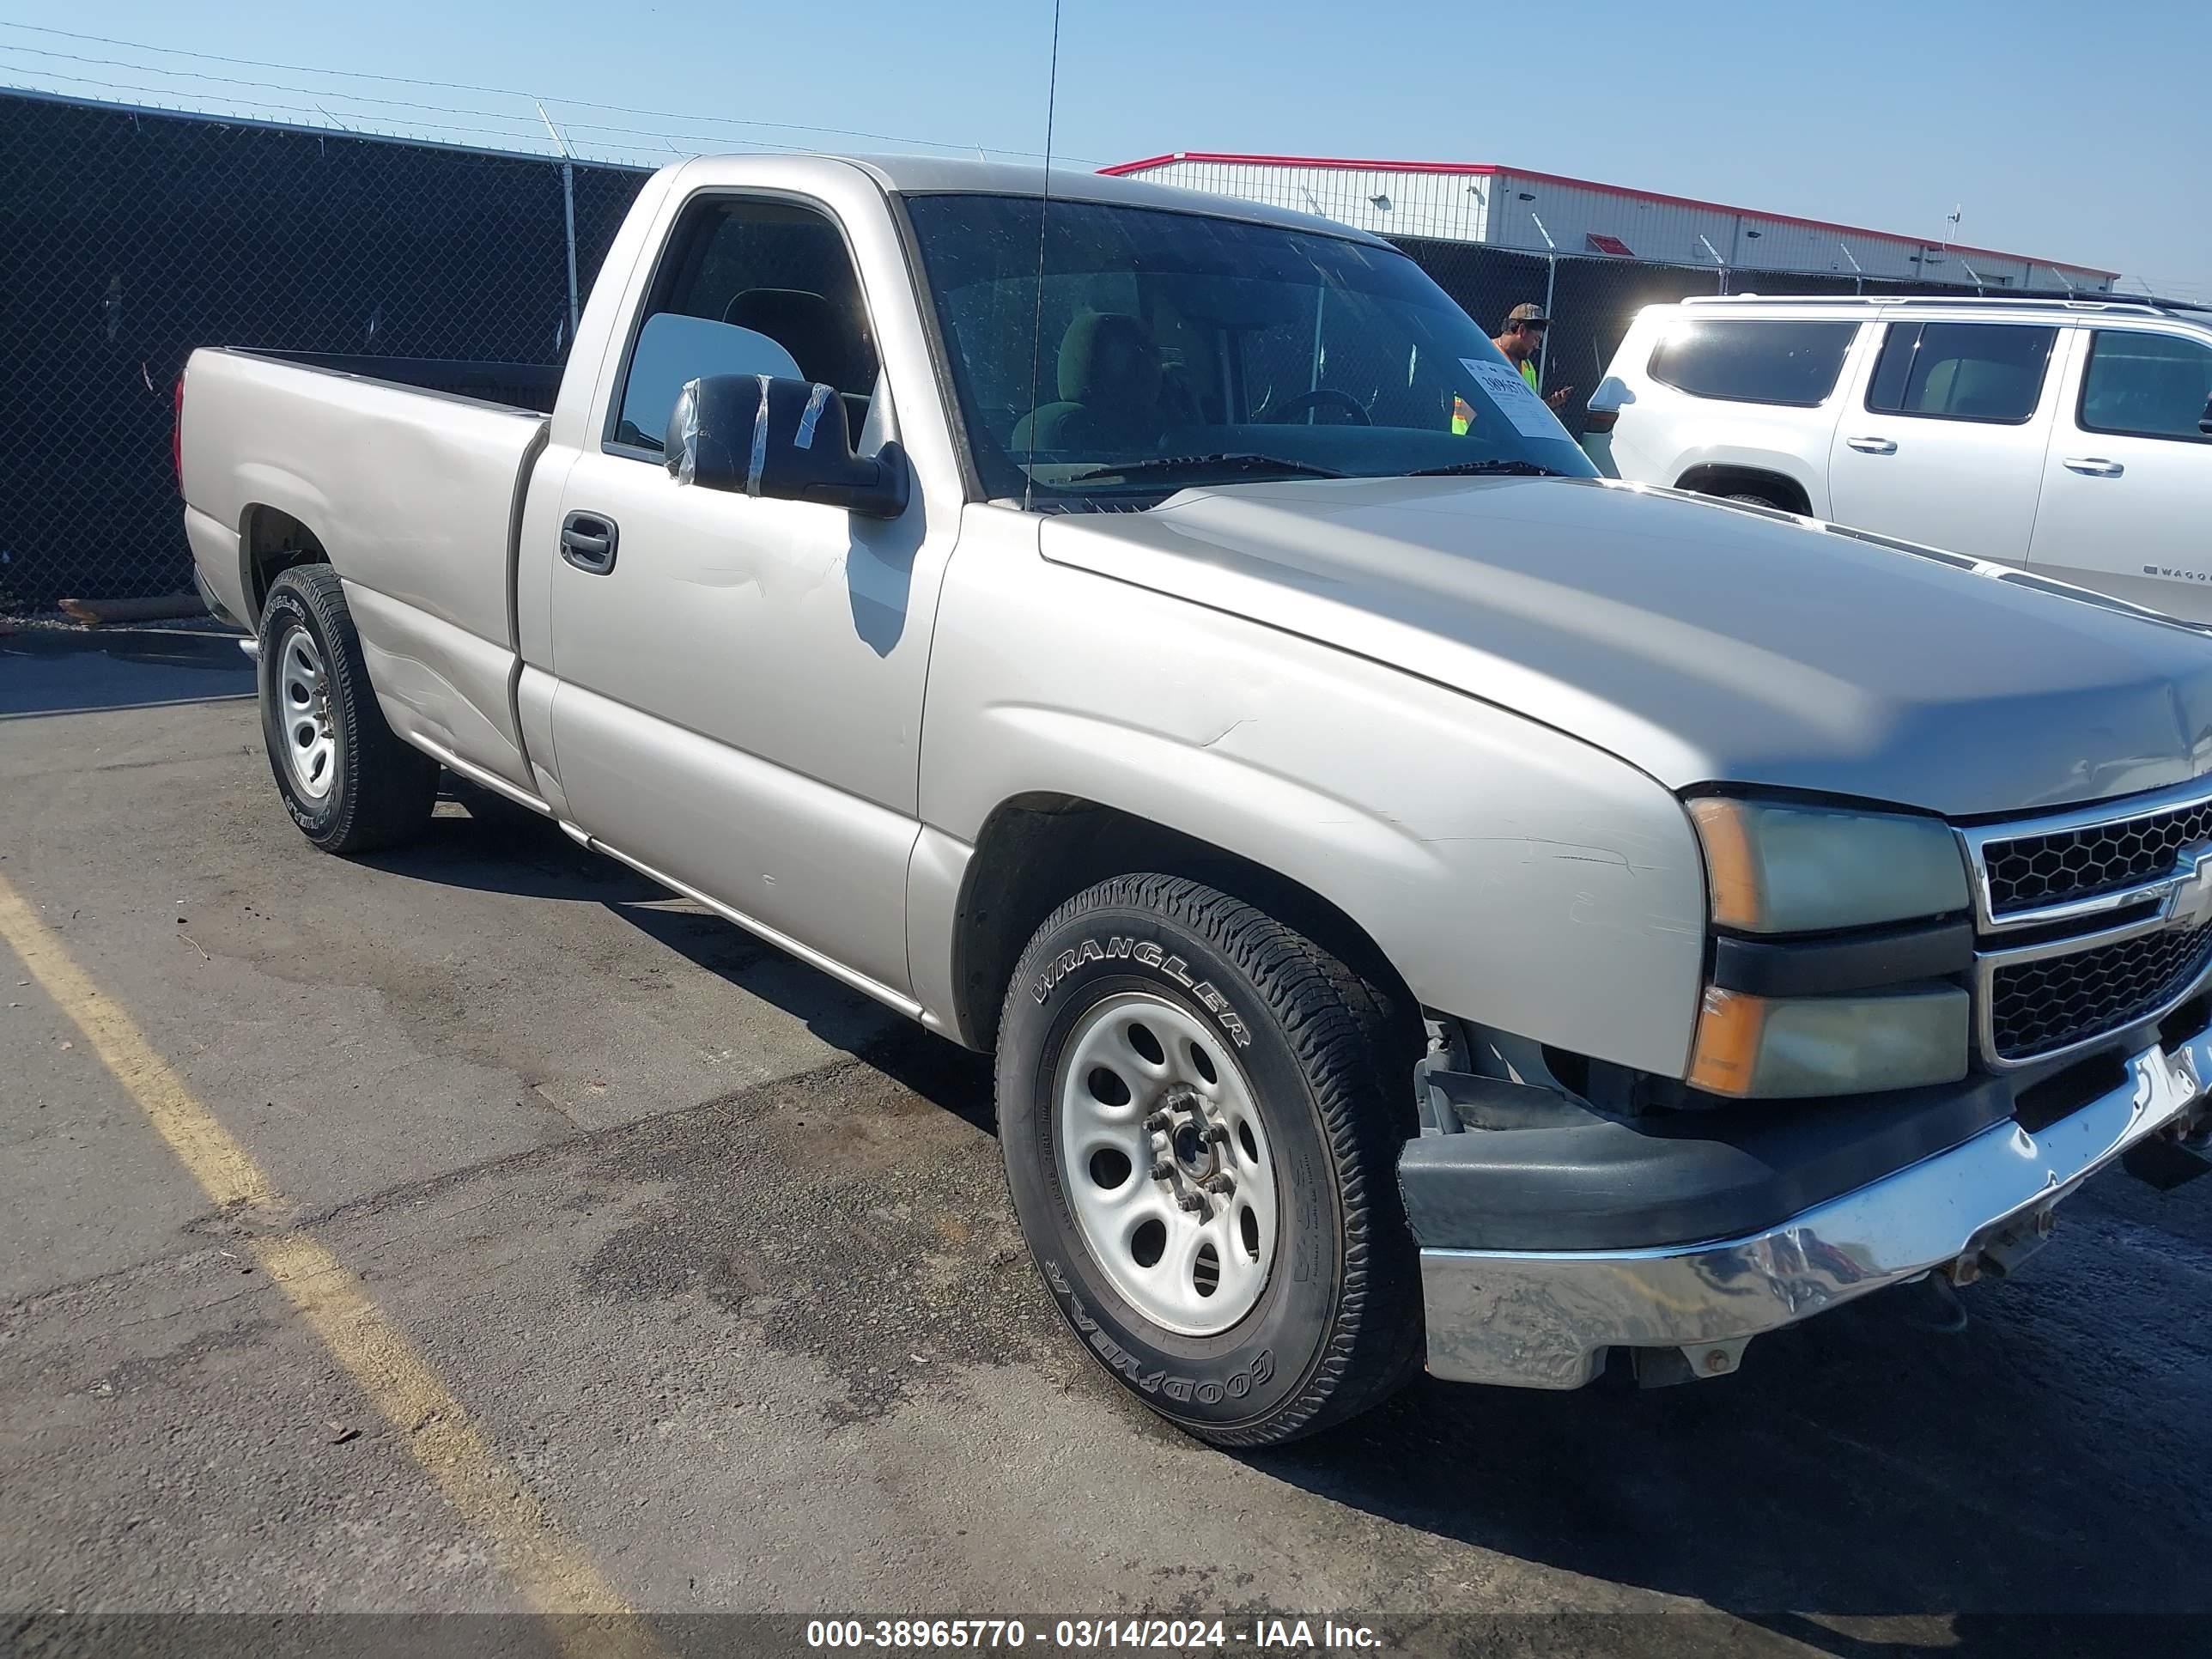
[{"x": 1207, "y": 1391}]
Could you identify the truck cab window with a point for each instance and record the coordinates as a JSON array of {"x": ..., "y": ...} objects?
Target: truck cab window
[
  {"x": 1113, "y": 356},
  {"x": 1962, "y": 371},
  {"x": 748, "y": 288},
  {"x": 2147, "y": 385}
]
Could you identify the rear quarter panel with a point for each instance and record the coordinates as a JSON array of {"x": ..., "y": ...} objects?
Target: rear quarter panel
[{"x": 412, "y": 493}]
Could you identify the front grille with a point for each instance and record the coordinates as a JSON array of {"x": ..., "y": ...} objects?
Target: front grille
[
  {"x": 2033, "y": 871},
  {"x": 2039, "y": 1007}
]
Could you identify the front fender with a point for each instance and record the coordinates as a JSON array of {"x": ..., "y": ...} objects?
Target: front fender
[{"x": 1512, "y": 874}]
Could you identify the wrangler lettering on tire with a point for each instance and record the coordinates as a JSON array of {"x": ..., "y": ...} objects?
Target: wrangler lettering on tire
[
  {"x": 1146, "y": 953},
  {"x": 1200, "y": 1126}
]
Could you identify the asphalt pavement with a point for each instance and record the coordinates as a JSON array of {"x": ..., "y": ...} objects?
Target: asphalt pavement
[{"x": 715, "y": 1259}]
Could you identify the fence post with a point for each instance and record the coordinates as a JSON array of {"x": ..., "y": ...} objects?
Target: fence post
[
  {"x": 569, "y": 200},
  {"x": 1551, "y": 282}
]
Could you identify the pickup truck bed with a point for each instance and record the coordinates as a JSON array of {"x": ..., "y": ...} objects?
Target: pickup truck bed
[
  {"x": 410, "y": 479},
  {"x": 514, "y": 386}
]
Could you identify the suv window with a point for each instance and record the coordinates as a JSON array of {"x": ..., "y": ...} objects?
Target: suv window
[
  {"x": 748, "y": 288},
  {"x": 1962, "y": 371},
  {"x": 1754, "y": 361},
  {"x": 2145, "y": 385}
]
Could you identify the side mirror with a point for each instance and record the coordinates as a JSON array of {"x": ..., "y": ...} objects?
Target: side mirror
[
  {"x": 755, "y": 435},
  {"x": 2204, "y": 421}
]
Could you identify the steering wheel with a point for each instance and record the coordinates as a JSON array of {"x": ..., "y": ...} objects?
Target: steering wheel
[{"x": 1320, "y": 397}]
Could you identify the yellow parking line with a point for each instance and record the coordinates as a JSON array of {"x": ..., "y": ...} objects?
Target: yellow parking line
[{"x": 559, "y": 1581}]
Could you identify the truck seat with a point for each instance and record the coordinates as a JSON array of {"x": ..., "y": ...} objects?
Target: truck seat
[
  {"x": 830, "y": 344},
  {"x": 1110, "y": 385}
]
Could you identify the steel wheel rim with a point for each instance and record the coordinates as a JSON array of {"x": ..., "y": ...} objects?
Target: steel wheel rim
[
  {"x": 307, "y": 736},
  {"x": 1166, "y": 1162}
]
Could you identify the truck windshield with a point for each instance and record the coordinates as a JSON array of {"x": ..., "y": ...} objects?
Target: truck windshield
[{"x": 1149, "y": 350}]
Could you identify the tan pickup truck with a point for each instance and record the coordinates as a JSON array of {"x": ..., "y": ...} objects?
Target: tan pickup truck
[{"x": 1427, "y": 901}]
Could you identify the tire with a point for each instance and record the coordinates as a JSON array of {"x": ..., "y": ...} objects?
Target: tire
[
  {"x": 1319, "y": 1318},
  {"x": 348, "y": 781},
  {"x": 1747, "y": 497}
]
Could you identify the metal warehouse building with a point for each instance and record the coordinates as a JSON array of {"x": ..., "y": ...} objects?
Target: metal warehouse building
[{"x": 1481, "y": 202}]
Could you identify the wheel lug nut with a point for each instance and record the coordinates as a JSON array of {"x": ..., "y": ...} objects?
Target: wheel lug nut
[
  {"x": 1222, "y": 1182},
  {"x": 1218, "y": 1133},
  {"x": 1157, "y": 1122},
  {"x": 1192, "y": 1202},
  {"x": 1162, "y": 1170}
]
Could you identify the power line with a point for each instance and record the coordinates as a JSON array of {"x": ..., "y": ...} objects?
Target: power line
[
  {"x": 257, "y": 104},
  {"x": 233, "y": 81},
  {"x": 709, "y": 142},
  {"x": 503, "y": 92}
]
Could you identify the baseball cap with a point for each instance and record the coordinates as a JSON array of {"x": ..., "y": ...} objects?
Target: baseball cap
[{"x": 1527, "y": 311}]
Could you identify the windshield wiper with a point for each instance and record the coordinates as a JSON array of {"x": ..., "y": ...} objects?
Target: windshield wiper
[
  {"x": 1234, "y": 465},
  {"x": 1489, "y": 469}
]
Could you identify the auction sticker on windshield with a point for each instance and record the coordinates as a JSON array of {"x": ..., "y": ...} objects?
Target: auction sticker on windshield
[{"x": 1512, "y": 396}]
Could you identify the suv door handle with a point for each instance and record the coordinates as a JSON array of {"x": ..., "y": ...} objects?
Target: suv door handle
[
  {"x": 2095, "y": 466},
  {"x": 1873, "y": 445},
  {"x": 587, "y": 541}
]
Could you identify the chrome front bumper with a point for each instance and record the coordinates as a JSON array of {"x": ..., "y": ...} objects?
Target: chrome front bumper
[{"x": 1546, "y": 1319}]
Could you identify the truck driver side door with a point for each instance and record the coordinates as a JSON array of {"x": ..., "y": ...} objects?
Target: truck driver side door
[{"x": 740, "y": 679}]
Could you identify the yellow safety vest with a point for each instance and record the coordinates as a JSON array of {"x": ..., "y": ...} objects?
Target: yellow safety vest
[{"x": 1463, "y": 415}]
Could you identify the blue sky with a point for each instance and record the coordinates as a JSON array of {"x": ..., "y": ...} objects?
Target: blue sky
[{"x": 2061, "y": 130}]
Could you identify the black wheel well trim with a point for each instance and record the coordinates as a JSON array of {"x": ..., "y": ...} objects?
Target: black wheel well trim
[
  {"x": 1037, "y": 851},
  {"x": 270, "y": 541},
  {"x": 1724, "y": 477}
]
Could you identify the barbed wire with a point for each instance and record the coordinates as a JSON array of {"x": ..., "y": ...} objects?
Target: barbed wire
[{"x": 553, "y": 100}]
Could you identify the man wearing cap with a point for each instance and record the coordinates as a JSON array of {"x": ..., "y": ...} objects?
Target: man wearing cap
[{"x": 1522, "y": 339}]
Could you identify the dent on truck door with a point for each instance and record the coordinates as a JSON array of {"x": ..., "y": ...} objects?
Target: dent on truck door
[{"x": 741, "y": 679}]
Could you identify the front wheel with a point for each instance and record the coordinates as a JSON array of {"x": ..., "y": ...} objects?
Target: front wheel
[{"x": 1200, "y": 1112}]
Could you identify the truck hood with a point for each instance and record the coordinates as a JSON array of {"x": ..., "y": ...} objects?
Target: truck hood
[{"x": 1700, "y": 642}]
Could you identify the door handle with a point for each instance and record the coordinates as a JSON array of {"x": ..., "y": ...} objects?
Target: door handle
[
  {"x": 2093, "y": 466},
  {"x": 1873, "y": 445},
  {"x": 587, "y": 541}
]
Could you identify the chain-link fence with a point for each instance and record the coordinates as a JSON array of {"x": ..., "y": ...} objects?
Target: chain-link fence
[{"x": 128, "y": 238}]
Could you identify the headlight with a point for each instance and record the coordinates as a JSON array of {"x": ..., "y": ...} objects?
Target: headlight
[
  {"x": 1774, "y": 867},
  {"x": 1781, "y": 867},
  {"x": 1775, "y": 1047}
]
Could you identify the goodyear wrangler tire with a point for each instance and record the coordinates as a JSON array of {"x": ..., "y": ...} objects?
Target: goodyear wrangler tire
[
  {"x": 1200, "y": 1112},
  {"x": 348, "y": 781}
]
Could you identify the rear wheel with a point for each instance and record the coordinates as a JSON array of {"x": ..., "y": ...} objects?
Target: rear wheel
[
  {"x": 1200, "y": 1112},
  {"x": 348, "y": 781}
]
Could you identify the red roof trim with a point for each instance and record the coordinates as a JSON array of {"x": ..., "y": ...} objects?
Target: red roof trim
[{"x": 1492, "y": 169}]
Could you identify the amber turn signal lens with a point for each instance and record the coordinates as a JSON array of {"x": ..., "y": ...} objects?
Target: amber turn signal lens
[
  {"x": 1729, "y": 863},
  {"x": 1725, "y": 1060}
]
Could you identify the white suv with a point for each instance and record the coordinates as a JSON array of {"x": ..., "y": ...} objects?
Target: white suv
[{"x": 2074, "y": 437}]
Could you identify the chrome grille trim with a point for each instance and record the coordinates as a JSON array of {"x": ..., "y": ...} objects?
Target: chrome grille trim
[
  {"x": 1978, "y": 840},
  {"x": 2163, "y": 887},
  {"x": 2002, "y": 1054}
]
